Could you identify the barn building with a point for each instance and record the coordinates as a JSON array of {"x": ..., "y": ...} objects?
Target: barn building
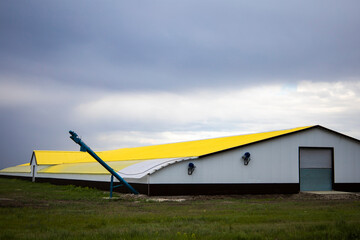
[{"x": 312, "y": 158}]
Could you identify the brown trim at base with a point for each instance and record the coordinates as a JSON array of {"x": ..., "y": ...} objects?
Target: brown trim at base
[
  {"x": 347, "y": 187},
  {"x": 16, "y": 177},
  {"x": 82, "y": 183},
  {"x": 141, "y": 188},
  {"x": 223, "y": 189},
  {"x": 184, "y": 189}
]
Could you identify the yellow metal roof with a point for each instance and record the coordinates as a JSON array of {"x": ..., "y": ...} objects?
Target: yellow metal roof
[
  {"x": 61, "y": 157},
  {"x": 171, "y": 150},
  {"x": 17, "y": 169},
  {"x": 87, "y": 168}
]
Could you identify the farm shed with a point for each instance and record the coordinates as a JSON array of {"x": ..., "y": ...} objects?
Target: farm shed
[{"x": 285, "y": 161}]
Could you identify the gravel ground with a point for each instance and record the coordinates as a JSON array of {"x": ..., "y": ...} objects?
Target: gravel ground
[{"x": 299, "y": 196}]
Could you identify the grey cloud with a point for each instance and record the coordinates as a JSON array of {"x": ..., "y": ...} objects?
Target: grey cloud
[
  {"x": 169, "y": 45},
  {"x": 84, "y": 49}
]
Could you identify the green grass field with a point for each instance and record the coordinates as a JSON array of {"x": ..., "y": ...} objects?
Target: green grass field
[{"x": 44, "y": 211}]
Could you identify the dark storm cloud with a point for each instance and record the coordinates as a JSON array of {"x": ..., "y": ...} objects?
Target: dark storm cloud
[
  {"x": 59, "y": 55},
  {"x": 164, "y": 44}
]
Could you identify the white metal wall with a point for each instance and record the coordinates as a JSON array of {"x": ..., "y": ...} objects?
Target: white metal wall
[
  {"x": 89, "y": 177},
  {"x": 17, "y": 174},
  {"x": 273, "y": 161}
]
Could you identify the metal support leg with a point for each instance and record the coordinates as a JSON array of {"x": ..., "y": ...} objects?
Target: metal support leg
[{"x": 111, "y": 185}]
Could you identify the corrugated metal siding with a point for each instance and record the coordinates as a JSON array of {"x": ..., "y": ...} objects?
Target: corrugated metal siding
[{"x": 275, "y": 161}]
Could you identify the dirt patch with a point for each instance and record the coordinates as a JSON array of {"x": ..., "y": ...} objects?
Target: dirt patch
[
  {"x": 329, "y": 196},
  {"x": 299, "y": 196},
  {"x": 226, "y": 199}
]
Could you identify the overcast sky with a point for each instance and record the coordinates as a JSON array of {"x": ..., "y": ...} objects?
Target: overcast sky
[{"x": 134, "y": 73}]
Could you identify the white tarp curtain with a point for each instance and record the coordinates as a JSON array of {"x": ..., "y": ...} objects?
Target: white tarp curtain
[{"x": 144, "y": 168}]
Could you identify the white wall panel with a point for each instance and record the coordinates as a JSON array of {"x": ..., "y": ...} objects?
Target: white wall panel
[
  {"x": 16, "y": 174},
  {"x": 273, "y": 161},
  {"x": 89, "y": 177}
]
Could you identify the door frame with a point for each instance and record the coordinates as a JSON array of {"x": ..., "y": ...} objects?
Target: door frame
[{"x": 332, "y": 163}]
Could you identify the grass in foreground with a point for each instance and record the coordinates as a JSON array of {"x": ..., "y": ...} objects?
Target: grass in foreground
[{"x": 43, "y": 211}]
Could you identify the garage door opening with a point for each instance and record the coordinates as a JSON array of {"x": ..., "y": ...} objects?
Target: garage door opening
[{"x": 316, "y": 169}]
